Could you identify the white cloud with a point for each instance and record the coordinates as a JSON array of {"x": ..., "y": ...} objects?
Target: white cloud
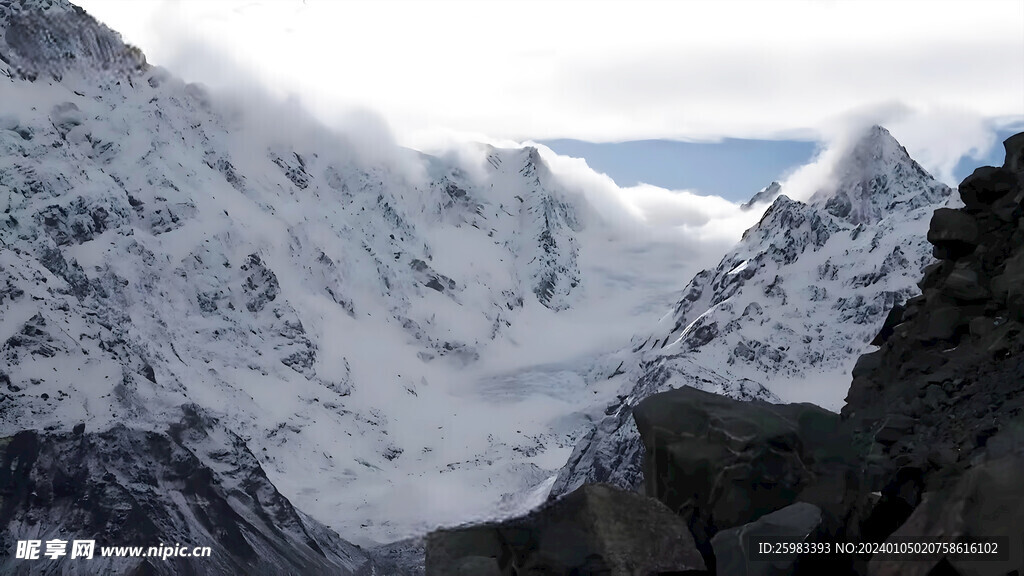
[
  {"x": 601, "y": 70},
  {"x": 706, "y": 225},
  {"x": 936, "y": 74}
]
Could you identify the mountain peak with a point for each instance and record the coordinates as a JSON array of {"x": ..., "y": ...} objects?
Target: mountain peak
[
  {"x": 52, "y": 37},
  {"x": 766, "y": 194},
  {"x": 872, "y": 177}
]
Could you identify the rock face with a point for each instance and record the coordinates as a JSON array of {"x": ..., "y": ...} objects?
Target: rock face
[
  {"x": 987, "y": 501},
  {"x": 949, "y": 377},
  {"x": 937, "y": 409},
  {"x": 721, "y": 463},
  {"x": 128, "y": 487},
  {"x": 788, "y": 310},
  {"x": 932, "y": 424},
  {"x": 598, "y": 529}
]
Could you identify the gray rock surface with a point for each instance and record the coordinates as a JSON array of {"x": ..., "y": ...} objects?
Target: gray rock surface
[
  {"x": 722, "y": 463},
  {"x": 800, "y": 522},
  {"x": 598, "y": 529},
  {"x": 987, "y": 501}
]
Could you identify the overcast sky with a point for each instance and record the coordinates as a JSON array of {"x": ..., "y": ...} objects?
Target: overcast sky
[
  {"x": 600, "y": 70},
  {"x": 938, "y": 74}
]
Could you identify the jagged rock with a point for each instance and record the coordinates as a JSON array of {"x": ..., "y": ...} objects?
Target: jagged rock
[
  {"x": 800, "y": 522},
  {"x": 261, "y": 283},
  {"x": 598, "y": 529},
  {"x": 943, "y": 324},
  {"x": 892, "y": 319},
  {"x": 613, "y": 452},
  {"x": 1011, "y": 279},
  {"x": 721, "y": 463},
  {"x": 768, "y": 194},
  {"x": 1014, "y": 146},
  {"x": 129, "y": 487},
  {"x": 985, "y": 186}
]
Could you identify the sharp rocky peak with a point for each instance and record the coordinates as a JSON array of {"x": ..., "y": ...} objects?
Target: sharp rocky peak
[{"x": 874, "y": 177}]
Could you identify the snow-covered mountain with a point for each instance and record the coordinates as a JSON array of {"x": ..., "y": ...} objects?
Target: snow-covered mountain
[
  {"x": 384, "y": 340},
  {"x": 787, "y": 312},
  {"x": 391, "y": 336}
]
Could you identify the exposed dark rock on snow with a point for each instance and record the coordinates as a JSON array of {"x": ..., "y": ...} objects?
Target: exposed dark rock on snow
[
  {"x": 767, "y": 195},
  {"x": 54, "y": 37},
  {"x": 598, "y": 529},
  {"x": 401, "y": 558},
  {"x": 194, "y": 484}
]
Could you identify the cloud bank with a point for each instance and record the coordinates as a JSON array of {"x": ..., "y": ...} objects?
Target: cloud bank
[{"x": 940, "y": 75}]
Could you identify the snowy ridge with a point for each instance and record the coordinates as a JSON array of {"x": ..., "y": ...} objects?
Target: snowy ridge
[
  {"x": 53, "y": 37},
  {"x": 785, "y": 313}
]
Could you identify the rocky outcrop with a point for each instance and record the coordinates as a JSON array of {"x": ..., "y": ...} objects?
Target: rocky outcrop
[
  {"x": 132, "y": 487},
  {"x": 613, "y": 451},
  {"x": 767, "y": 194},
  {"x": 948, "y": 378},
  {"x": 598, "y": 529},
  {"x": 937, "y": 409},
  {"x": 722, "y": 463},
  {"x": 932, "y": 424},
  {"x": 986, "y": 502}
]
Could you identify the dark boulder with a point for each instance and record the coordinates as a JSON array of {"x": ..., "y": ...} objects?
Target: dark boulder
[
  {"x": 722, "y": 463},
  {"x": 985, "y": 186},
  {"x": 893, "y": 319},
  {"x": 1014, "y": 146},
  {"x": 962, "y": 285},
  {"x": 953, "y": 233},
  {"x": 596, "y": 530}
]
